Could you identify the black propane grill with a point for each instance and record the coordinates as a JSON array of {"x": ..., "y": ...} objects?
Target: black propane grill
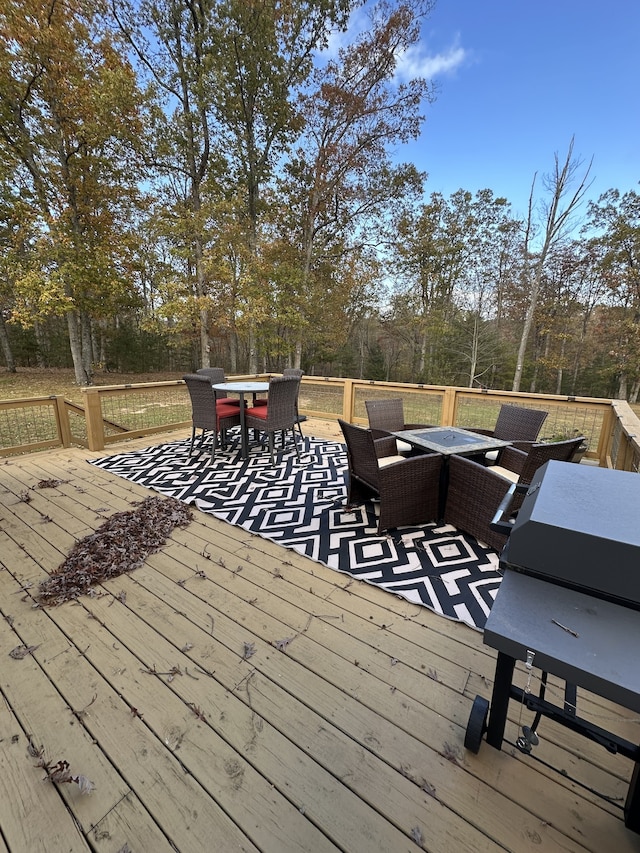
[{"x": 569, "y": 605}]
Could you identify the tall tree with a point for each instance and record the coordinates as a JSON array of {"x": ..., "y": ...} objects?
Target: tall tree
[
  {"x": 341, "y": 181},
  {"x": 262, "y": 54},
  {"x": 172, "y": 40},
  {"x": 557, "y": 213},
  {"x": 453, "y": 254},
  {"x": 69, "y": 117},
  {"x": 617, "y": 219}
]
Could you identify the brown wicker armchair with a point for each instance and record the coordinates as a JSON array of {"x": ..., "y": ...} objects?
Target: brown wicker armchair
[
  {"x": 280, "y": 413},
  {"x": 207, "y": 413},
  {"x": 473, "y": 497},
  {"x": 386, "y": 416},
  {"x": 474, "y": 492},
  {"x": 408, "y": 489},
  {"x": 516, "y": 424},
  {"x": 519, "y": 467}
]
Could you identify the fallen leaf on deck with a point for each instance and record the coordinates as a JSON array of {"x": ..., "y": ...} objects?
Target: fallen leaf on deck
[{"x": 21, "y": 652}]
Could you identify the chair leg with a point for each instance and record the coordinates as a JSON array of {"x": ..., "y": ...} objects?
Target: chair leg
[
  {"x": 271, "y": 444},
  {"x": 193, "y": 438},
  {"x": 213, "y": 444},
  {"x": 295, "y": 442}
]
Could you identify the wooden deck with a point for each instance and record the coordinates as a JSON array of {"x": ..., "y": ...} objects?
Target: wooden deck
[{"x": 167, "y": 690}]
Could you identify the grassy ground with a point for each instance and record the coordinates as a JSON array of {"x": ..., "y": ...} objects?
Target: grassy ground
[{"x": 32, "y": 382}]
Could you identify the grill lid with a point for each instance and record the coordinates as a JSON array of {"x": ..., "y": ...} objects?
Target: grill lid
[{"x": 580, "y": 526}]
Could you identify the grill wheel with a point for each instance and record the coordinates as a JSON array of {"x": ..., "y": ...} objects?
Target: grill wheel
[{"x": 477, "y": 725}]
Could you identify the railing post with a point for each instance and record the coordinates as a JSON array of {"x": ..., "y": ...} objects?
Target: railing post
[
  {"x": 62, "y": 421},
  {"x": 93, "y": 414},
  {"x": 605, "y": 439},
  {"x": 449, "y": 399},
  {"x": 347, "y": 401}
]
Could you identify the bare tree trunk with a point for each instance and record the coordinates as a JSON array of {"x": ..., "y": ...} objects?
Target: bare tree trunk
[
  {"x": 201, "y": 290},
  {"x": 75, "y": 344},
  {"x": 623, "y": 384},
  {"x": 42, "y": 351},
  {"x": 635, "y": 390},
  {"x": 556, "y": 223},
  {"x": 560, "y": 370},
  {"x": 233, "y": 352},
  {"x": 474, "y": 351},
  {"x": 422, "y": 357},
  {"x": 87, "y": 347},
  {"x": 253, "y": 349},
  {"x": 6, "y": 346}
]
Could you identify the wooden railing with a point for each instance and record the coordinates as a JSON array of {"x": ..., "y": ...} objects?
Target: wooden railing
[
  {"x": 114, "y": 413},
  {"x": 37, "y": 423}
]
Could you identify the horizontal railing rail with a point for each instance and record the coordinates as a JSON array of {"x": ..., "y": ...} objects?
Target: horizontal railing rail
[{"x": 113, "y": 413}]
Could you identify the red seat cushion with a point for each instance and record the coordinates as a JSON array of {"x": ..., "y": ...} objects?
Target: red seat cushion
[
  {"x": 260, "y": 402},
  {"x": 226, "y": 411},
  {"x": 228, "y": 401},
  {"x": 257, "y": 412}
]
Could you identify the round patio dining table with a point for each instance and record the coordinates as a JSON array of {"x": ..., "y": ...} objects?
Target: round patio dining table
[{"x": 242, "y": 388}]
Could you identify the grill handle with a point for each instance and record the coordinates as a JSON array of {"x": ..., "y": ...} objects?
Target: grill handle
[{"x": 500, "y": 521}]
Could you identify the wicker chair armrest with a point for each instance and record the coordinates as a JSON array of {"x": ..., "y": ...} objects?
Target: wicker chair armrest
[
  {"x": 414, "y": 466},
  {"x": 524, "y": 446},
  {"x": 385, "y": 446},
  {"x": 513, "y": 459}
]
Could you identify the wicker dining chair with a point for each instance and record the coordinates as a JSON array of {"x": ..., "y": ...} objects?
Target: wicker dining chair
[
  {"x": 386, "y": 416},
  {"x": 295, "y": 371},
  {"x": 408, "y": 488},
  {"x": 288, "y": 371},
  {"x": 280, "y": 414},
  {"x": 207, "y": 413},
  {"x": 215, "y": 375}
]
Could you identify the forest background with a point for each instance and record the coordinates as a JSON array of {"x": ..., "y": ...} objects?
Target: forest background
[{"x": 186, "y": 184}]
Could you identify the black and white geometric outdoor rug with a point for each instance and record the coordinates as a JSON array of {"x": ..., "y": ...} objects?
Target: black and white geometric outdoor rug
[{"x": 300, "y": 505}]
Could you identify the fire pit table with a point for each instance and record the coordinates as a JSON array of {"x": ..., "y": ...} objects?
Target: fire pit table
[
  {"x": 568, "y": 605},
  {"x": 449, "y": 441}
]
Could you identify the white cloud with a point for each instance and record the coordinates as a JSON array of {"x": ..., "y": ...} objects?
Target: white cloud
[{"x": 416, "y": 62}]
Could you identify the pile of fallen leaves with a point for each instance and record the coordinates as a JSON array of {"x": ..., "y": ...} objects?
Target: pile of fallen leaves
[{"x": 120, "y": 545}]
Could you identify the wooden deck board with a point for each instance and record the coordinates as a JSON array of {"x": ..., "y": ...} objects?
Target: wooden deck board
[{"x": 349, "y": 738}]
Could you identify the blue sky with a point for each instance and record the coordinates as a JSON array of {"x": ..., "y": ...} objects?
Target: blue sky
[{"x": 517, "y": 79}]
